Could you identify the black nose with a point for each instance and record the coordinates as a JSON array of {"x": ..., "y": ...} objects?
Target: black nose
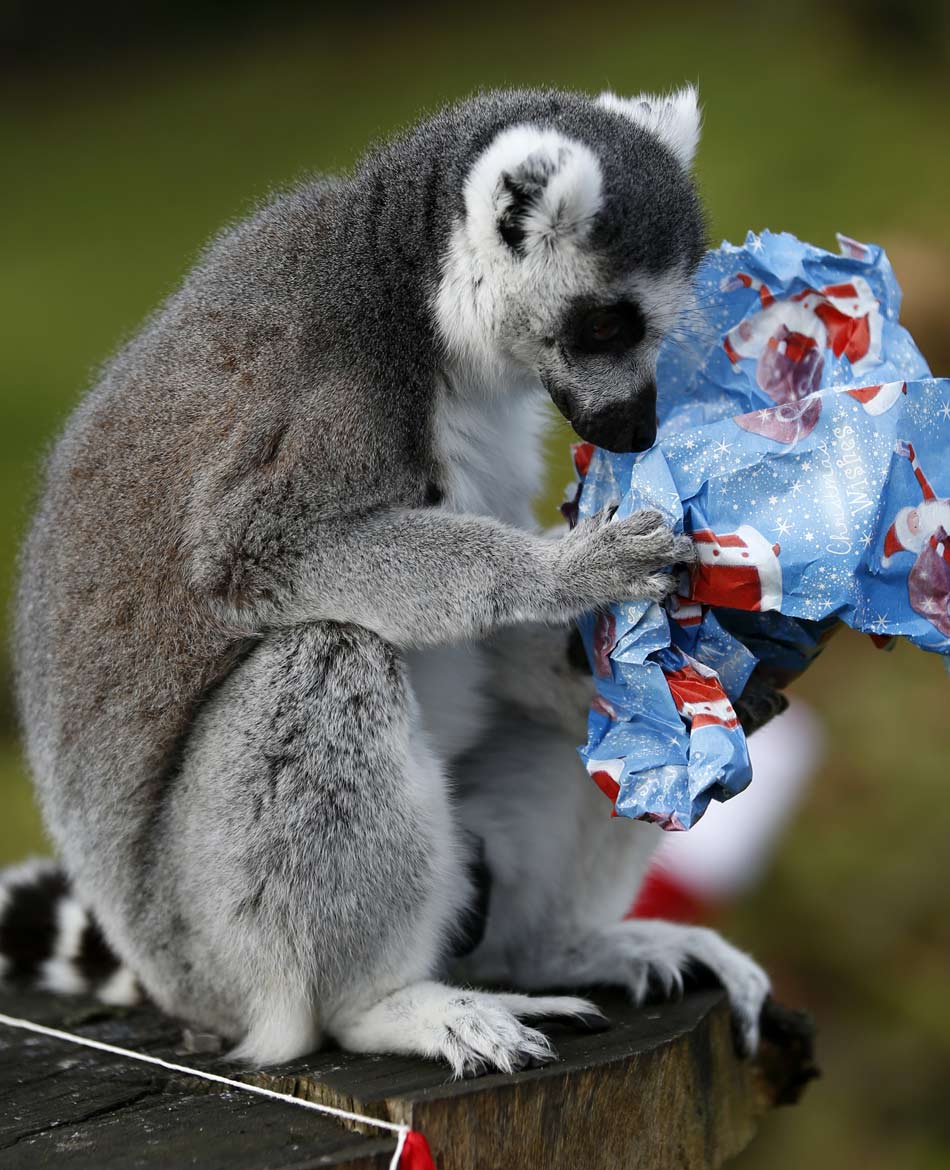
[
  {"x": 625, "y": 426},
  {"x": 620, "y": 438}
]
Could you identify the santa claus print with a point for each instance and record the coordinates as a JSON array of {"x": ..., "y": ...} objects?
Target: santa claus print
[
  {"x": 788, "y": 339},
  {"x": 928, "y": 582},
  {"x": 738, "y": 570},
  {"x": 878, "y": 399},
  {"x": 684, "y": 612},
  {"x": 922, "y": 530},
  {"x": 699, "y": 696}
]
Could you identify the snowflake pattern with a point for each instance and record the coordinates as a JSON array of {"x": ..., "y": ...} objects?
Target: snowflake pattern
[{"x": 796, "y": 529}]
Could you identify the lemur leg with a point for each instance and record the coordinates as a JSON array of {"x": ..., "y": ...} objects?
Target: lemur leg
[
  {"x": 318, "y": 875},
  {"x": 564, "y": 872}
]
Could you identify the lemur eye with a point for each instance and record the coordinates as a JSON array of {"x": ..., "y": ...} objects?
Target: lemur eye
[
  {"x": 605, "y": 326},
  {"x": 610, "y": 329}
]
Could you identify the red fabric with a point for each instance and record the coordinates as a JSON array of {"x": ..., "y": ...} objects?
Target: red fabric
[
  {"x": 583, "y": 453},
  {"x": 661, "y": 896},
  {"x": 607, "y": 785},
  {"x": 416, "y": 1154}
]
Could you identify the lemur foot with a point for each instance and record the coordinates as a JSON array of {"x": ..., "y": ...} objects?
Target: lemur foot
[
  {"x": 474, "y": 1032},
  {"x": 647, "y": 954}
]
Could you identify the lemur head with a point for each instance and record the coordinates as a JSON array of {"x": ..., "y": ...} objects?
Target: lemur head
[{"x": 578, "y": 232}]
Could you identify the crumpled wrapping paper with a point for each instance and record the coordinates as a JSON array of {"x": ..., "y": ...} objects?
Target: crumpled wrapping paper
[{"x": 803, "y": 444}]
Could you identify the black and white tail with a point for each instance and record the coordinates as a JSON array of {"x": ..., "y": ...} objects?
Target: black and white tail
[{"x": 48, "y": 941}]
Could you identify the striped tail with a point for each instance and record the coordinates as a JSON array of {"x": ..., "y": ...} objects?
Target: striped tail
[{"x": 48, "y": 941}]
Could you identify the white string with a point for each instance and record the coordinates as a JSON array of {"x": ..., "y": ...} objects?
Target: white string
[
  {"x": 401, "y": 1130},
  {"x": 400, "y": 1145}
]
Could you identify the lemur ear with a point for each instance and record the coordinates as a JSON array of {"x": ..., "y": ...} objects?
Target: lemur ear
[
  {"x": 532, "y": 190},
  {"x": 674, "y": 118}
]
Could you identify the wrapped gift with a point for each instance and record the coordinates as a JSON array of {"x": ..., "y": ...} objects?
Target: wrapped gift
[{"x": 804, "y": 446}]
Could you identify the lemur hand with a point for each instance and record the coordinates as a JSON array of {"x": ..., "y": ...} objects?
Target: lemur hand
[
  {"x": 606, "y": 559},
  {"x": 758, "y": 704}
]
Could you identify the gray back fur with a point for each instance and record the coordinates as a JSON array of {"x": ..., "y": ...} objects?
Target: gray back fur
[{"x": 287, "y": 383}]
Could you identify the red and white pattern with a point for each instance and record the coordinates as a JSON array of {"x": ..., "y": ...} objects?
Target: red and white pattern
[
  {"x": 739, "y": 570},
  {"x": 787, "y": 340},
  {"x": 606, "y": 775},
  {"x": 684, "y": 612},
  {"x": 699, "y": 696},
  {"x": 879, "y": 399},
  {"x": 844, "y": 318}
]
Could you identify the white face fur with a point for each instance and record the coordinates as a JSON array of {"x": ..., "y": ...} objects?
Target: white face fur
[{"x": 520, "y": 260}]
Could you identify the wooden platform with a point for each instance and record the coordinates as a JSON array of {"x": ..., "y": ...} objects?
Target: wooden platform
[{"x": 663, "y": 1088}]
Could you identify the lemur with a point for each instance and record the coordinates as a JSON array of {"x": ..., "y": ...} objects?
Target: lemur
[{"x": 291, "y": 649}]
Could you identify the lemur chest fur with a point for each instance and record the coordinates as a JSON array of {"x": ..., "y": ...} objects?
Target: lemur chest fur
[{"x": 488, "y": 450}]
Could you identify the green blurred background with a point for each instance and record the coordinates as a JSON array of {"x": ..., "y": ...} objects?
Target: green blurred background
[{"x": 130, "y": 136}]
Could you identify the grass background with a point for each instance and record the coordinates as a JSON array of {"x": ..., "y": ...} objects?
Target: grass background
[{"x": 126, "y": 146}]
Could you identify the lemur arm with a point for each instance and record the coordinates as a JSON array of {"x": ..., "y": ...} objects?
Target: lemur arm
[
  {"x": 425, "y": 576},
  {"x": 315, "y": 519}
]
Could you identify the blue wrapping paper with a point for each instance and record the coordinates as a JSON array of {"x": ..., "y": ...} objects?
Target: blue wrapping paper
[{"x": 802, "y": 444}]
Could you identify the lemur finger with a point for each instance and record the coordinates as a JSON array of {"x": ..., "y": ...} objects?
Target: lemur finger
[
  {"x": 657, "y": 548},
  {"x": 561, "y": 1009},
  {"x": 684, "y": 550},
  {"x": 655, "y": 586},
  {"x": 644, "y": 521},
  {"x": 592, "y": 1023},
  {"x": 593, "y": 524}
]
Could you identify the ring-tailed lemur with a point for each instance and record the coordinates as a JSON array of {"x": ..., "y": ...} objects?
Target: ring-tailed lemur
[{"x": 287, "y": 641}]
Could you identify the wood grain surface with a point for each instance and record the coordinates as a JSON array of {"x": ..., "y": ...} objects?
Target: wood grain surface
[{"x": 662, "y": 1088}]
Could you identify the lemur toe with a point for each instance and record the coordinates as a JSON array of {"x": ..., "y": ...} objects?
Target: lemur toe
[
  {"x": 593, "y": 1022},
  {"x": 659, "y": 586}
]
